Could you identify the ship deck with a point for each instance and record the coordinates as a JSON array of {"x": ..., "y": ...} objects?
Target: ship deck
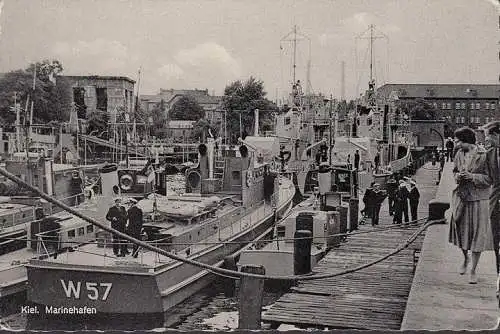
[{"x": 94, "y": 255}]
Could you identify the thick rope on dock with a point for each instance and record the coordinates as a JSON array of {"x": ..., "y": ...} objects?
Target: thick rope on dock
[{"x": 213, "y": 269}]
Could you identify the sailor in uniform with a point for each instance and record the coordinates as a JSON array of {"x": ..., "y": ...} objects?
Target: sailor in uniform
[
  {"x": 134, "y": 224},
  {"x": 117, "y": 215}
]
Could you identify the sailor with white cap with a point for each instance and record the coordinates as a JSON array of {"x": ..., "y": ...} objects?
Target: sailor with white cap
[
  {"x": 414, "y": 198},
  {"x": 134, "y": 223}
]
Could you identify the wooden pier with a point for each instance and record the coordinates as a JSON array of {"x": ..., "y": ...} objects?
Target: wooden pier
[{"x": 372, "y": 298}]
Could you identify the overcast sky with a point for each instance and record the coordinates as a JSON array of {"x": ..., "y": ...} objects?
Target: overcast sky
[{"x": 207, "y": 44}]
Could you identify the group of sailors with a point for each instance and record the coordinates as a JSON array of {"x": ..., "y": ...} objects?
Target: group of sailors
[
  {"x": 118, "y": 216},
  {"x": 402, "y": 193}
]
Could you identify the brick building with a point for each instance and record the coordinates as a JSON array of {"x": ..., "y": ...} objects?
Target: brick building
[
  {"x": 100, "y": 93},
  {"x": 458, "y": 104},
  {"x": 211, "y": 104}
]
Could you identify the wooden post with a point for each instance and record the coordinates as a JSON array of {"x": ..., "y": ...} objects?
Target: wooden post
[
  {"x": 229, "y": 283},
  {"x": 250, "y": 296},
  {"x": 302, "y": 252}
]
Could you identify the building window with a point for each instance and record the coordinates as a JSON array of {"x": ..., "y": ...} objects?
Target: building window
[
  {"x": 478, "y": 106},
  {"x": 287, "y": 120},
  {"x": 462, "y": 120},
  {"x": 449, "y": 105},
  {"x": 435, "y": 105},
  {"x": 457, "y": 120},
  {"x": 493, "y": 106},
  {"x": 472, "y": 106},
  {"x": 457, "y": 105},
  {"x": 486, "y": 105},
  {"x": 102, "y": 99},
  {"x": 487, "y": 120},
  {"x": 472, "y": 119},
  {"x": 443, "y": 106},
  {"x": 463, "y": 105}
]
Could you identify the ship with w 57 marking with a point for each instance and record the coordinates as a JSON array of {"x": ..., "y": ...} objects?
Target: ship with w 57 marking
[{"x": 232, "y": 197}]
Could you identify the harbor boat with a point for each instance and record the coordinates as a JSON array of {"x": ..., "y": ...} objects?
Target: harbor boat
[
  {"x": 229, "y": 202},
  {"x": 25, "y": 217},
  {"x": 326, "y": 214}
]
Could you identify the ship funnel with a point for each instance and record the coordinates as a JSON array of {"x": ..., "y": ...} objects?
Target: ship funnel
[
  {"x": 256, "y": 126},
  {"x": 109, "y": 180},
  {"x": 203, "y": 161}
]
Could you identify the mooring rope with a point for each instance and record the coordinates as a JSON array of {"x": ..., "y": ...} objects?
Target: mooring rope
[{"x": 211, "y": 268}]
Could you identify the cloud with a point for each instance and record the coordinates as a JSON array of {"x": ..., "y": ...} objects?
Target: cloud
[
  {"x": 1, "y": 7},
  {"x": 494, "y": 3},
  {"x": 209, "y": 54},
  {"x": 97, "y": 56},
  {"x": 171, "y": 71}
]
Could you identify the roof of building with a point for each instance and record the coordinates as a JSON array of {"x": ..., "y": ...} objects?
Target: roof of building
[
  {"x": 436, "y": 91},
  {"x": 168, "y": 95},
  {"x": 180, "y": 124},
  {"x": 98, "y": 77}
]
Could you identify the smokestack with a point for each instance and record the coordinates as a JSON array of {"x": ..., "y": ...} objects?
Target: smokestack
[
  {"x": 256, "y": 127},
  {"x": 342, "y": 81}
]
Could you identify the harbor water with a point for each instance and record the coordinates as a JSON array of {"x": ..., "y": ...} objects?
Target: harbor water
[{"x": 209, "y": 309}]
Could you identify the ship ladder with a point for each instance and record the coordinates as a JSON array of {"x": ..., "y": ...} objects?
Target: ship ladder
[{"x": 219, "y": 170}]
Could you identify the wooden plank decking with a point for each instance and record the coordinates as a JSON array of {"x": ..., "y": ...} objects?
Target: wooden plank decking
[{"x": 372, "y": 298}]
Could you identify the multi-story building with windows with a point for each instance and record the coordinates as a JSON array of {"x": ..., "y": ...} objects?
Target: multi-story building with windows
[{"x": 458, "y": 104}]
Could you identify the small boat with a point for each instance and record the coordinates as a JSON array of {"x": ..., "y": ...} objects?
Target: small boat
[
  {"x": 227, "y": 205},
  {"x": 326, "y": 213}
]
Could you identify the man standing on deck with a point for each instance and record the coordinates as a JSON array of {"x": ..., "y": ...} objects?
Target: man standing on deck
[
  {"x": 414, "y": 197},
  {"x": 392, "y": 186},
  {"x": 449, "y": 148},
  {"x": 378, "y": 198},
  {"x": 117, "y": 215},
  {"x": 134, "y": 224},
  {"x": 401, "y": 203}
]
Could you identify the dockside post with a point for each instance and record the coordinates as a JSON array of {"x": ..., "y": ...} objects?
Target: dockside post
[{"x": 250, "y": 297}]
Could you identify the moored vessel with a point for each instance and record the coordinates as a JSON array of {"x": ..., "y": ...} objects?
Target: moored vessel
[{"x": 229, "y": 204}]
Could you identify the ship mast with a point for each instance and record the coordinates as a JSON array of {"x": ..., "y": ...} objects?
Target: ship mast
[
  {"x": 294, "y": 37},
  {"x": 373, "y": 35}
]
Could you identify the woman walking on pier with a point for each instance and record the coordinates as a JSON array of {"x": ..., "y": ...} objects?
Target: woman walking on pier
[{"x": 470, "y": 227}]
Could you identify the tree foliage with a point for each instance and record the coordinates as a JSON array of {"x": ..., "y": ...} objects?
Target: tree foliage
[
  {"x": 97, "y": 121},
  {"x": 201, "y": 130},
  {"x": 186, "y": 109},
  {"x": 418, "y": 109},
  {"x": 242, "y": 98},
  {"x": 51, "y": 101},
  {"x": 158, "y": 115}
]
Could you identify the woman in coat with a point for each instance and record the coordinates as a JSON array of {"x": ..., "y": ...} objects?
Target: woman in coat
[{"x": 470, "y": 227}]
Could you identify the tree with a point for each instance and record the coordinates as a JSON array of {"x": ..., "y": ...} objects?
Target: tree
[
  {"x": 418, "y": 109},
  {"x": 186, "y": 109},
  {"x": 242, "y": 99},
  {"x": 51, "y": 101},
  {"x": 97, "y": 121}
]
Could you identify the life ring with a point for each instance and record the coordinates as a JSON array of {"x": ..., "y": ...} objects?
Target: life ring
[
  {"x": 126, "y": 182},
  {"x": 75, "y": 174},
  {"x": 249, "y": 178}
]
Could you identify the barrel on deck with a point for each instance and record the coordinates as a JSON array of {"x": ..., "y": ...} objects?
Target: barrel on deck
[{"x": 333, "y": 229}]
